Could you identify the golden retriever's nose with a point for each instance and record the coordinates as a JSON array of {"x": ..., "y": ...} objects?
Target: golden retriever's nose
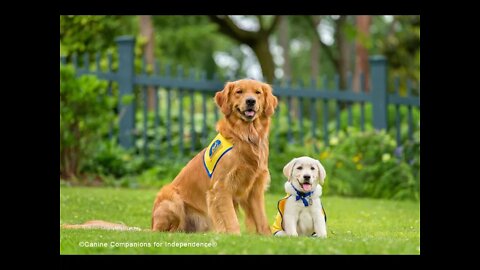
[
  {"x": 307, "y": 177},
  {"x": 250, "y": 101}
]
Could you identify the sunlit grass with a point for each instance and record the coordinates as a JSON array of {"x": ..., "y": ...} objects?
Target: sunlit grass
[{"x": 355, "y": 226}]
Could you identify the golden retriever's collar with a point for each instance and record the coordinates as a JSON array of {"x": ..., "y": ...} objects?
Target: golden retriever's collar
[{"x": 214, "y": 152}]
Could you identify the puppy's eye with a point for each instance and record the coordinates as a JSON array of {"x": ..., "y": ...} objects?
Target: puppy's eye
[
  {"x": 258, "y": 92},
  {"x": 312, "y": 168},
  {"x": 239, "y": 91},
  {"x": 299, "y": 168}
]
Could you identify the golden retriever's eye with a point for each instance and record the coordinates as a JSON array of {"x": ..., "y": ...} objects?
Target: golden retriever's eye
[
  {"x": 258, "y": 92},
  {"x": 299, "y": 168},
  {"x": 239, "y": 91},
  {"x": 312, "y": 168}
]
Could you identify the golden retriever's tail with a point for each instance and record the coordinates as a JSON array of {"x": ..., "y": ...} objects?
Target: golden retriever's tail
[
  {"x": 100, "y": 224},
  {"x": 169, "y": 212}
]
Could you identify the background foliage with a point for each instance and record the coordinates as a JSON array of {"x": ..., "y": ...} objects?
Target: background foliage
[
  {"x": 368, "y": 164},
  {"x": 85, "y": 113}
]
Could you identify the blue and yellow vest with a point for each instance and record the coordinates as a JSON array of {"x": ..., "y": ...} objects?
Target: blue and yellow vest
[
  {"x": 214, "y": 152},
  {"x": 278, "y": 223}
]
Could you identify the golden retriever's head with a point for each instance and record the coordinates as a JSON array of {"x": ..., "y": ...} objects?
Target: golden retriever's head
[{"x": 246, "y": 99}]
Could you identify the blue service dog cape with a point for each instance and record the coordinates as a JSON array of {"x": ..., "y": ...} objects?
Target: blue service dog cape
[{"x": 214, "y": 152}]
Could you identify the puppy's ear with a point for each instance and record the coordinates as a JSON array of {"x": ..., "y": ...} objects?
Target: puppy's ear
[
  {"x": 287, "y": 170},
  {"x": 221, "y": 98},
  {"x": 271, "y": 101},
  {"x": 321, "y": 173}
]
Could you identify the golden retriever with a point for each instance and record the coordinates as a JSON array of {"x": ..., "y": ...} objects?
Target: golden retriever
[{"x": 194, "y": 202}]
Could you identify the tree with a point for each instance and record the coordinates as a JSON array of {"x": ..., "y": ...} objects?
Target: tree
[
  {"x": 283, "y": 39},
  {"x": 180, "y": 40},
  {"x": 361, "y": 55},
  {"x": 401, "y": 46},
  {"x": 90, "y": 34},
  {"x": 256, "y": 40},
  {"x": 339, "y": 57},
  {"x": 315, "y": 52},
  {"x": 148, "y": 32}
]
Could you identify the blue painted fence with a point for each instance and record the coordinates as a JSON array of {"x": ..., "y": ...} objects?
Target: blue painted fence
[{"x": 197, "y": 89}]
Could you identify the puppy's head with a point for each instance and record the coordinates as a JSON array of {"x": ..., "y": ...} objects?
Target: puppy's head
[
  {"x": 305, "y": 173},
  {"x": 247, "y": 100}
]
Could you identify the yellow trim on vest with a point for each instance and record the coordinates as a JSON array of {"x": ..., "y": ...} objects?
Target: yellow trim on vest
[
  {"x": 278, "y": 223},
  {"x": 214, "y": 152}
]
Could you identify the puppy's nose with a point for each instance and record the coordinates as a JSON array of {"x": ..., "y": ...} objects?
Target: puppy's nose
[
  {"x": 250, "y": 101},
  {"x": 306, "y": 177}
]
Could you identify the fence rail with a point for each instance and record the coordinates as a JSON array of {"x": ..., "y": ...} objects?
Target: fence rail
[{"x": 314, "y": 104}]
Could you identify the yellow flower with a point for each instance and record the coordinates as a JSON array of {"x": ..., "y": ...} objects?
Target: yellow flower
[
  {"x": 357, "y": 158},
  {"x": 392, "y": 143},
  {"x": 339, "y": 164},
  {"x": 386, "y": 157},
  {"x": 324, "y": 155},
  {"x": 334, "y": 141},
  {"x": 359, "y": 167}
]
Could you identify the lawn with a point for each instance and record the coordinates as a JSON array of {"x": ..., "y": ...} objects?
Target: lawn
[{"x": 355, "y": 226}]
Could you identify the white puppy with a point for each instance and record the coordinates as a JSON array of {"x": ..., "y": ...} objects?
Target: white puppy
[{"x": 303, "y": 213}]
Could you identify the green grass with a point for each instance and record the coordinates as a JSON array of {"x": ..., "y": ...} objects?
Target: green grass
[{"x": 355, "y": 226}]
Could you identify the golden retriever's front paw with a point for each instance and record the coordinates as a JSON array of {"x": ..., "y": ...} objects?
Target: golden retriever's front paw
[
  {"x": 264, "y": 231},
  {"x": 234, "y": 232}
]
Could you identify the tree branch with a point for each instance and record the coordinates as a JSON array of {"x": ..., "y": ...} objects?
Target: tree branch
[
  {"x": 229, "y": 28},
  {"x": 391, "y": 29},
  {"x": 324, "y": 46},
  {"x": 274, "y": 24},
  {"x": 260, "y": 22}
]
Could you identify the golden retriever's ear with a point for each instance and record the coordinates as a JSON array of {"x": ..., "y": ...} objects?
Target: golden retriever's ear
[
  {"x": 221, "y": 98},
  {"x": 271, "y": 101},
  {"x": 321, "y": 173},
  {"x": 287, "y": 170}
]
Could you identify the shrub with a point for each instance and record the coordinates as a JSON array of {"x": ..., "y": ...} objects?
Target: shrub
[
  {"x": 112, "y": 160},
  {"x": 85, "y": 111},
  {"x": 360, "y": 164},
  {"x": 365, "y": 164}
]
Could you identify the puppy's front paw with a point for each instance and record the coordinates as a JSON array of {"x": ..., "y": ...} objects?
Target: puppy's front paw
[
  {"x": 292, "y": 234},
  {"x": 320, "y": 235}
]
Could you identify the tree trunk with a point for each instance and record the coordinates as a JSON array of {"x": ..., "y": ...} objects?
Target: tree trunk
[
  {"x": 257, "y": 40},
  {"x": 209, "y": 63},
  {"x": 361, "y": 55},
  {"x": 265, "y": 58},
  {"x": 147, "y": 31},
  {"x": 284, "y": 43},
  {"x": 343, "y": 48},
  {"x": 315, "y": 53},
  {"x": 68, "y": 165}
]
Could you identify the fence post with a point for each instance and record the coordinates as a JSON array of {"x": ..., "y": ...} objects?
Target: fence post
[
  {"x": 125, "y": 75},
  {"x": 378, "y": 66}
]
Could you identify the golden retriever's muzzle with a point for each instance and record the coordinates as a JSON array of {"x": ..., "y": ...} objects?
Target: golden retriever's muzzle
[{"x": 249, "y": 108}]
